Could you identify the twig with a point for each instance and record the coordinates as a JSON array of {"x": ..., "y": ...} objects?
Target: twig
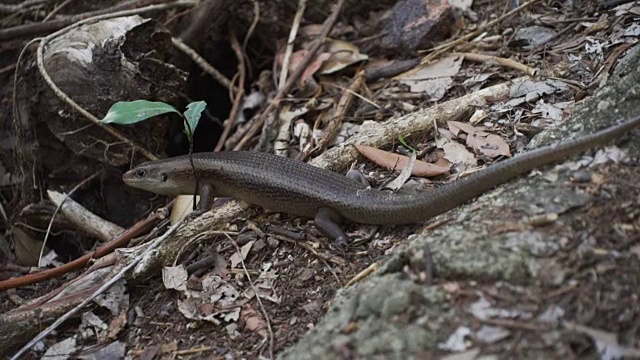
[
  {"x": 55, "y": 212},
  {"x": 56, "y": 10},
  {"x": 448, "y": 46},
  {"x": 119, "y": 241},
  {"x": 501, "y": 61},
  {"x": 333, "y": 127},
  {"x": 302, "y": 4},
  {"x": 83, "y": 219},
  {"x": 362, "y": 274},
  {"x": 329, "y": 259},
  {"x": 313, "y": 50},
  {"x": 204, "y": 65},
  {"x": 31, "y": 29},
  {"x": 8, "y": 9},
  {"x": 237, "y": 102},
  {"x": 152, "y": 246},
  {"x": 253, "y": 287},
  {"x": 254, "y": 24}
]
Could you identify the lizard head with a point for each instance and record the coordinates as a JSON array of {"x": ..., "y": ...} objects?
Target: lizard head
[{"x": 161, "y": 178}]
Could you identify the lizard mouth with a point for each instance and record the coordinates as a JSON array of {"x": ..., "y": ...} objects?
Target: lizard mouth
[{"x": 132, "y": 179}]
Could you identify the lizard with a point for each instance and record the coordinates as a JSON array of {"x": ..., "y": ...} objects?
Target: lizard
[{"x": 284, "y": 185}]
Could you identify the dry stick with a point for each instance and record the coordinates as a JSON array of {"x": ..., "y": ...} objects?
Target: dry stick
[
  {"x": 501, "y": 61},
  {"x": 446, "y": 47},
  {"x": 302, "y": 4},
  {"x": 362, "y": 274},
  {"x": 8, "y": 9},
  {"x": 332, "y": 129},
  {"x": 264, "y": 311},
  {"x": 119, "y": 241},
  {"x": 56, "y": 10},
  {"x": 324, "y": 257},
  {"x": 152, "y": 246},
  {"x": 65, "y": 98},
  {"x": 326, "y": 29},
  {"x": 252, "y": 27},
  {"x": 75, "y": 188},
  {"x": 45, "y": 27},
  {"x": 204, "y": 65},
  {"x": 242, "y": 73}
]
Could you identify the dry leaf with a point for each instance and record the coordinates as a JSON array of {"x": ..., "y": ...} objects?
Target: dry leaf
[
  {"x": 244, "y": 251},
  {"x": 490, "y": 145},
  {"x": 296, "y": 59},
  {"x": 458, "y": 154},
  {"x": 398, "y": 162},
  {"x": 220, "y": 266},
  {"x": 253, "y": 320},
  {"x": 456, "y": 126},
  {"x": 117, "y": 324},
  {"x": 486, "y": 143},
  {"x": 343, "y": 54},
  {"x": 434, "y": 79},
  {"x": 175, "y": 277}
]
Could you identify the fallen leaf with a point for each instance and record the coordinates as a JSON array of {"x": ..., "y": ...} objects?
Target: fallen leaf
[
  {"x": 490, "y": 145},
  {"x": 396, "y": 161},
  {"x": 253, "y": 320},
  {"x": 459, "y": 155},
  {"x": 116, "y": 298},
  {"x": 237, "y": 258},
  {"x": 343, "y": 54},
  {"x": 220, "y": 266},
  {"x": 61, "y": 350},
  {"x": 456, "y": 341},
  {"x": 456, "y": 126},
  {"x": 175, "y": 277},
  {"x": 548, "y": 111},
  {"x": 114, "y": 350},
  {"x": 606, "y": 342},
  {"x": 434, "y": 79},
  {"x": 491, "y": 334},
  {"x": 534, "y": 35},
  {"x": 117, "y": 324},
  {"x": 486, "y": 143},
  {"x": 529, "y": 90},
  {"x": 404, "y": 175},
  {"x": 296, "y": 59}
]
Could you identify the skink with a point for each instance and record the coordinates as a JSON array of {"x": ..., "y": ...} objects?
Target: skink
[{"x": 284, "y": 185}]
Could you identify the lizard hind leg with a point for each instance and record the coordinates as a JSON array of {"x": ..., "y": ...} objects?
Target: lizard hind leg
[
  {"x": 207, "y": 195},
  {"x": 327, "y": 221}
]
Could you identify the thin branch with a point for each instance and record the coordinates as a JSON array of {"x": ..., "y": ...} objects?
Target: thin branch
[
  {"x": 56, "y": 10},
  {"x": 313, "y": 50},
  {"x": 302, "y": 4},
  {"x": 237, "y": 102},
  {"x": 152, "y": 246},
  {"x": 439, "y": 50},
  {"x": 253, "y": 287},
  {"x": 75, "y": 188},
  {"x": 204, "y": 65}
]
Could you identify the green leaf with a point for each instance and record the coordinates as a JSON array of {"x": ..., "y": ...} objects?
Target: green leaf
[
  {"x": 402, "y": 141},
  {"x": 131, "y": 112},
  {"x": 192, "y": 115}
]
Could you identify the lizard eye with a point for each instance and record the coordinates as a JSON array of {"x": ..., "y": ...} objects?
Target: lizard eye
[
  {"x": 163, "y": 176},
  {"x": 140, "y": 173}
]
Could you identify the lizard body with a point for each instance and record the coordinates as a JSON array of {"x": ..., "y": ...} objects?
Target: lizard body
[{"x": 285, "y": 185}]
